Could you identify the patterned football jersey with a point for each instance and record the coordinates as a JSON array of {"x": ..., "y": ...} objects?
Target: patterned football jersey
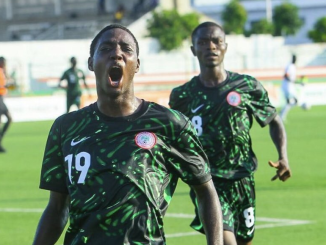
[
  {"x": 222, "y": 117},
  {"x": 73, "y": 77},
  {"x": 121, "y": 172}
]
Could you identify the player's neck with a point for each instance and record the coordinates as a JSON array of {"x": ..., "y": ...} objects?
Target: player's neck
[
  {"x": 212, "y": 77},
  {"x": 119, "y": 107}
]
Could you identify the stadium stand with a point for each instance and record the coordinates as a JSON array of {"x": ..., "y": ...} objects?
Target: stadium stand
[{"x": 22, "y": 20}]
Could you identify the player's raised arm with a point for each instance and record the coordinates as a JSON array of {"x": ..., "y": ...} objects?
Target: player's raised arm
[{"x": 210, "y": 212}]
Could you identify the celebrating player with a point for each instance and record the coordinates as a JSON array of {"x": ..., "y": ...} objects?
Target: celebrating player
[
  {"x": 221, "y": 105},
  {"x": 113, "y": 166}
]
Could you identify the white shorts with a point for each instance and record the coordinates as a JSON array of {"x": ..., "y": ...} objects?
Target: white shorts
[{"x": 288, "y": 89}]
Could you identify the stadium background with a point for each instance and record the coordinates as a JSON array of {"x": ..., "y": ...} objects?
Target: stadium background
[{"x": 39, "y": 36}]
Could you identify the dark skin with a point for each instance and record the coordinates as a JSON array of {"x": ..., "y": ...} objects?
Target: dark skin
[
  {"x": 115, "y": 98},
  {"x": 53, "y": 219},
  {"x": 116, "y": 48},
  {"x": 209, "y": 47}
]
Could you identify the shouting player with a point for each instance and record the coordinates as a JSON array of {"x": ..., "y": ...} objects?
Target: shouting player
[{"x": 113, "y": 166}]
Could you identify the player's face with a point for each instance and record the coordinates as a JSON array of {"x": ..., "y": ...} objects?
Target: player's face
[
  {"x": 209, "y": 46},
  {"x": 73, "y": 62},
  {"x": 115, "y": 62}
]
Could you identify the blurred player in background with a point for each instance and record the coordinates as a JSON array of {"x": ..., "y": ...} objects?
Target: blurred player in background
[
  {"x": 221, "y": 105},
  {"x": 113, "y": 166},
  {"x": 3, "y": 108},
  {"x": 288, "y": 87},
  {"x": 303, "y": 100},
  {"x": 73, "y": 76}
]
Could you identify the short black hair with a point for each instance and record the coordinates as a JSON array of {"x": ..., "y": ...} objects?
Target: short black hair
[
  {"x": 109, "y": 27},
  {"x": 203, "y": 25}
]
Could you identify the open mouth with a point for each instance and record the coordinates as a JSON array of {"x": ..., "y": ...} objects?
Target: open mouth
[
  {"x": 211, "y": 55},
  {"x": 115, "y": 75}
]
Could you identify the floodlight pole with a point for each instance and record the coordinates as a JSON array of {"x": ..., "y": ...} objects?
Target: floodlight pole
[
  {"x": 269, "y": 10},
  {"x": 9, "y": 13}
]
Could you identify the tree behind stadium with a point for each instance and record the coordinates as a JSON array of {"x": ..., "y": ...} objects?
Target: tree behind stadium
[
  {"x": 318, "y": 33},
  {"x": 234, "y": 18},
  {"x": 286, "y": 19},
  {"x": 171, "y": 28}
]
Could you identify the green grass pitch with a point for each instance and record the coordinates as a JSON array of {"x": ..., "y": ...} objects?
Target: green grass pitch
[{"x": 290, "y": 213}]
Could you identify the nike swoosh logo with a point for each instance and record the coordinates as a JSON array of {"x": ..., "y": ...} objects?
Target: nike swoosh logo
[
  {"x": 251, "y": 231},
  {"x": 73, "y": 143},
  {"x": 195, "y": 110}
]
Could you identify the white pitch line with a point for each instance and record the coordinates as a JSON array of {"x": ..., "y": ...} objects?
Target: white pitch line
[
  {"x": 179, "y": 215},
  {"x": 193, "y": 233},
  {"x": 273, "y": 222},
  {"x": 21, "y": 210}
]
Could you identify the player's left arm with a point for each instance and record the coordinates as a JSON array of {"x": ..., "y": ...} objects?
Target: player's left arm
[
  {"x": 53, "y": 219},
  {"x": 278, "y": 135},
  {"x": 210, "y": 212},
  {"x": 191, "y": 164},
  {"x": 265, "y": 114}
]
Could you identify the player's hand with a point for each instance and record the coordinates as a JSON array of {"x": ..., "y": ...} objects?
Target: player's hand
[{"x": 283, "y": 170}]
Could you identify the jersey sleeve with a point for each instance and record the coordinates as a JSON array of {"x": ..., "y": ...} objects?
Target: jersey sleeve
[
  {"x": 260, "y": 105},
  {"x": 177, "y": 100},
  {"x": 64, "y": 76},
  {"x": 53, "y": 174},
  {"x": 188, "y": 158}
]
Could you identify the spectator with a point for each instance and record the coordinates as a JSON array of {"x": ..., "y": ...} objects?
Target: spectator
[{"x": 119, "y": 14}]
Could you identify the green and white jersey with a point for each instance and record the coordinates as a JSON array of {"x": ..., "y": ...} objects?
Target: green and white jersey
[
  {"x": 223, "y": 116},
  {"x": 73, "y": 77},
  {"x": 121, "y": 172}
]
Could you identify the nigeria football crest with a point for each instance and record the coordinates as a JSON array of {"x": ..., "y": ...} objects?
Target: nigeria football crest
[
  {"x": 233, "y": 98},
  {"x": 145, "y": 140}
]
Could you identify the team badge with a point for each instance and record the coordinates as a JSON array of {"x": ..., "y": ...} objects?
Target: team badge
[
  {"x": 233, "y": 98},
  {"x": 145, "y": 140}
]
